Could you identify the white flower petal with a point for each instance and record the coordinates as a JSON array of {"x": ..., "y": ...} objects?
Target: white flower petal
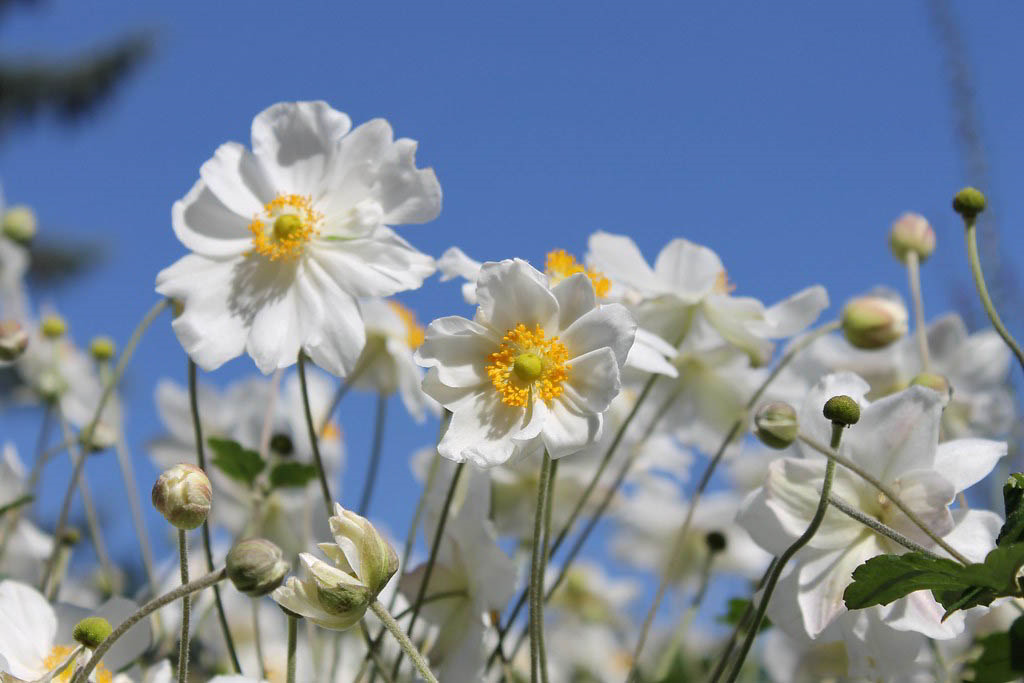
[
  {"x": 569, "y": 428},
  {"x": 965, "y": 462},
  {"x": 576, "y": 297},
  {"x": 824, "y": 577},
  {"x": 343, "y": 335},
  {"x": 897, "y": 433},
  {"x": 650, "y": 353},
  {"x": 378, "y": 264},
  {"x": 27, "y": 629},
  {"x": 294, "y": 141},
  {"x": 609, "y": 326},
  {"x": 813, "y": 422},
  {"x": 207, "y": 227},
  {"x": 235, "y": 177},
  {"x": 595, "y": 378},
  {"x": 618, "y": 257},
  {"x": 689, "y": 270},
  {"x": 974, "y": 533},
  {"x": 458, "y": 348},
  {"x": 480, "y": 430},
  {"x": 793, "y": 314},
  {"x": 511, "y": 292}
]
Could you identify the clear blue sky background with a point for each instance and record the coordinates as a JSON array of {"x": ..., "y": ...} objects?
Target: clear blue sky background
[{"x": 786, "y": 136}]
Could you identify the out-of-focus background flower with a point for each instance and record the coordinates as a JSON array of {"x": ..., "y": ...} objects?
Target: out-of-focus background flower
[{"x": 785, "y": 136}]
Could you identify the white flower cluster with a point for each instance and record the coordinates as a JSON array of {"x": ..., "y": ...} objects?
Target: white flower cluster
[{"x": 579, "y": 390}]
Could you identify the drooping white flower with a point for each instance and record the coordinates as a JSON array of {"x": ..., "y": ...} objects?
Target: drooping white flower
[
  {"x": 896, "y": 440},
  {"x": 286, "y": 237},
  {"x": 535, "y": 369}
]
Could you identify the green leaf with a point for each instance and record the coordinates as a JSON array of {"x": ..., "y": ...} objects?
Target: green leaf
[
  {"x": 287, "y": 474},
  {"x": 1013, "y": 503},
  {"x": 236, "y": 462},
  {"x": 1002, "y": 656},
  {"x": 16, "y": 503},
  {"x": 885, "y": 578},
  {"x": 736, "y": 609}
]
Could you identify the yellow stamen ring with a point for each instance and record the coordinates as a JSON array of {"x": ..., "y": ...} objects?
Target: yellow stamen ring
[
  {"x": 560, "y": 265},
  {"x": 293, "y": 223},
  {"x": 528, "y": 362}
]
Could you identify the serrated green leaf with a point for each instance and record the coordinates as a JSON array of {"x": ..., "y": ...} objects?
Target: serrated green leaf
[
  {"x": 1012, "y": 530},
  {"x": 885, "y": 578},
  {"x": 1002, "y": 656},
  {"x": 291, "y": 474},
  {"x": 236, "y": 462}
]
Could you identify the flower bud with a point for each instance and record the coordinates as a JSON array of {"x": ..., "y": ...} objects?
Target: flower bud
[
  {"x": 54, "y": 326},
  {"x": 281, "y": 444},
  {"x": 13, "y": 340},
  {"x": 911, "y": 233},
  {"x": 969, "y": 202},
  {"x": 20, "y": 224},
  {"x": 102, "y": 348},
  {"x": 70, "y": 537},
  {"x": 842, "y": 410},
  {"x": 776, "y": 424},
  {"x": 183, "y": 495},
  {"x": 336, "y": 593},
  {"x": 934, "y": 381},
  {"x": 716, "y": 541},
  {"x": 256, "y": 566},
  {"x": 375, "y": 560},
  {"x": 91, "y": 631},
  {"x": 873, "y": 322}
]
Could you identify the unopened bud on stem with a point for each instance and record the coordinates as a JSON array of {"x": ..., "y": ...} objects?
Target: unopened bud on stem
[
  {"x": 256, "y": 566},
  {"x": 183, "y": 495},
  {"x": 776, "y": 424},
  {"x": 842, "y": 410},
  {"x": 911, "y": 233},
  {"x": 873, "y": 322},
  {"x": 91, "y": 631}
]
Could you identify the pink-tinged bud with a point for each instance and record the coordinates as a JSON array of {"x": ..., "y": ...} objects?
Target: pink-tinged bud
[
  {"x": 911, "y": 232},
  {"x": 13, "y": 340},
  {"x": 873, "y": 322}
]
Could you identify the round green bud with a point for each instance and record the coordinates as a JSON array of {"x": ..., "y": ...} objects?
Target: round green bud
[
  {"x": 54, "y": 326},
  {"x": 874, "y": 322},
  {"x": 20, "y": 224},
  {"x": 70, "y": 537},
  {"x": 91, "y": 631},
  {"x": 102, "y": 348},
  {"x": 911, "y": 232},
  {"x": 969, "y": 202},
  {"x": 935, "y": 381},
  {"x": 183, "y": 495},
  {"x": 256, "y": 566},
  {"x": 528, "y": 366},
  {"x": 287, "y": 226},
  {"x": 776, "y": 424},
  {"x": 842, "y": 410},
  {"x": 282, "y": 445},
  {"x": 716, "y": 541},
  {"x": 13, "y": 340}
]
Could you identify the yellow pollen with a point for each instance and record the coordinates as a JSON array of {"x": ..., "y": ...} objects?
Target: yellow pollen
[
  {"x": 722, "y": 284},
  {"x": 292, "y": 222},
  {"x": 414, "y": 332},
  {"x": 560, "y": 264},
  {"x": 331, "y": 431},
  {"x": 528, "y": 362},
  {"x": 59, "y": 653}
]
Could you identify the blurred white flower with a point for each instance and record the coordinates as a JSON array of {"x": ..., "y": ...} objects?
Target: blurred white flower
[
  {"x": 286, "y": 237},
  {"x": 27, "y": 548},
  {"x": 535, "y": 369}
]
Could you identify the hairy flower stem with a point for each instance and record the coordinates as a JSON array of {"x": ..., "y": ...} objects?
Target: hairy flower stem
[
  {"x": 834, "y": 456},
  {"x": 435, "y": 546},
  {"x": 876, "y": 526},
  {"x": 178, "y": 593},
  {"x": 986, "y": 300},
  {"x": 314, "y": 437},
  {"x": 787, "y": 555},
  {"x": 914, "y": 278},
  {"x": 375, "y": 452},
  {"x": 705, "y": 479},
  {"x": 185, "y": 608},
  {"x": 403, "y": 641},
  {"x": 537, "y": 571},
  {"x": 197, "y": 428},
  {"x": 293, "y": 639},
  {"x": 741, "y": 626}
]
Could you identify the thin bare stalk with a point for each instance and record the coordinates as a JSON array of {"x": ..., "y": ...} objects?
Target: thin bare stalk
[
  {"x": 375, "y": 453},
  {"x": 186, "y": 606},
  {"x": 986, "y": 300},
  {"x": 921, "y": 333},
  {"x": 876, "y": 526},
  {"x": 314, "y": 438},
  {"x": 403, "y": 641}
]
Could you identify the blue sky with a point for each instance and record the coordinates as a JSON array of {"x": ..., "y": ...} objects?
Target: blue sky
[{"x": 786, "y": 136}]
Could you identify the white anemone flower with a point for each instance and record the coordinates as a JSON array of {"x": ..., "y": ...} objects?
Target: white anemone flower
[
  {"x": 897, "y": 441},
  {"x": 688, "y": 275},
  {"x": 28, "y": 548},
  {"x": 535, "y": 369},
  {"x": 285, "y": 238}
]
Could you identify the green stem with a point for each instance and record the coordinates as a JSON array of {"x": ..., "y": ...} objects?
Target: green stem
[
  {"x": 197, "y": 428},
  {"x": 185, "y": 608},
  {"x": 375, "y": 452},
  {"x": 805, "y": 537},
  {"x": 914, "y": 277},
  {"x": 536, "y": 569},
  {"x": 548, "y": 504},
  {"x": 314, "y": 438},
  {"x": 178, "y": 593},
  {"x": 293, "y": 639},
  {"x": 834, "y": 456},
  {"x": 403, "y": 641},
  {"x": 124, "y": 461},
  {"x": 986, "y": 300},
  {"x": 345, "y": 386},
  {"x": 876, "y": 526},
  {"x": 741, "y": 626}
]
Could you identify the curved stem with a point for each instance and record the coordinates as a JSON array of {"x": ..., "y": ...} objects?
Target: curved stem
[
  {"x": 986, "y": 300},
  {"x": 876, "y": 526},
  {"x": 403, "y": 641},
  {"x": 178, "y": 593},
  {"x": 773, "y": 578},
  {"x": 314, "y": 438},
  {"x": 921, "y": 333},
  {"x": 741, "y": 626},
  {"x": 185, "y": 608},
  {"x": 293, "y": 639},
  {"x": 375, "y": 452},
  {"x": 834, "y": 456},
  {"x": 197, "y": 428},
  {"x": 431, "y": 560}
]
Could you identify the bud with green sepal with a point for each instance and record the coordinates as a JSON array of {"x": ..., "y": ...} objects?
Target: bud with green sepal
[
  {"x": 256, "y": 566},
  {"x": 842, "y": 410},
  {"x": 183, "y": 495},
  {"x": 776, "y": 424},
  {"x": 91, "y": 631},
  {"x": 911, "y": 232},
  {"x": 969, "y": 202},
  {"x": 936, "y": 382},
  {"x": 874, "y": 322}
]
